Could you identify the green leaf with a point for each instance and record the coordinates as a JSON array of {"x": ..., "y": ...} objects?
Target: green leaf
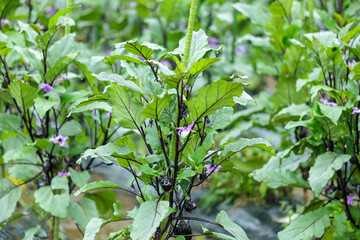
[
  {"x": 9, "y": 123},
  {"x": 108, "y": 153},
  {"x": 59, "y": 66},
  {"x": 232, "y": 148},
  {"x": 148, "y": 218},
  {"x": 31, "y": 33},
  {"x": 83, "y": 211},
  {"x": 56, "y": 204},
  {"x": 155, "y": 108},
  {"x": 223, "y": 219},
  {"x": 307, "y": 226},
  {"x": 173, "y": 80},
  {"x": 43, "y": 105},
  {"x": 60, "y": 48},
  {"x": 91, "y": 79},
  {"x": 89, "y": 104},
  {"x": 93, "y": 227},
  {"x": 96, "y": 185},
  {"x": 243, "y": 99},
  {"x": 211, "y": 98},
  {"x": 203, "y": 64},
  {"x": 332, "y": 112},
  {"x": 79, "y": 178},
  {"x": 127, "y": 107},
  {"x": 292, "y": 111},
  {"x": 9, "y": 195},
  {"x": 62, "y": 12},
  {"x": 23, "y": 93},
  {"x": 29, "y": 235},
  {"x": 30, "y": 57},
  {"x": 198, "y": 48},
  {"x": 112, "y": 59},
  {"x": 256, "y": 14},
  {"x": 138, "y": 49},
  {"x": 324, "y": 168},
  {"x": 71, "y": 128},
  {"x": 119, "y": 80},
  {"x": 221, "y": 118}
]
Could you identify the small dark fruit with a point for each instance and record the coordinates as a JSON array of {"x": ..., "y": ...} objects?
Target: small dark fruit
[
  {"x": 203, "y": 175},
  {"x": 189, "y": 205},
  {"x": 167, "y": 183},
  {"x": 183, "y": 228},
  {"x": 47, "y": 165},
  {"x": 354, "y": 159}
]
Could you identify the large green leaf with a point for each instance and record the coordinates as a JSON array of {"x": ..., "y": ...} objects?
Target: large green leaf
[
  {"x": 198, "y": 48},
  {"x": 96, "y": 185},
  {"x": 155, "y": 108},
  {"x": 138, "y": 49},
  {"x": 56, "y": 204},
  {"x": 95, "y": 224},
  {"x": 119, "y": 80},
  {"x": 148, "y": 218},
  {"x": 71, "y": 128},
  {"x": 255, "y": 13},
  {"x": 59, "y": 66},
  {"x": 9, "y": 123},
  {"x": 43, "y": 105},
  {"x": 239, "y": 145},
  {"x": 79, "y": 178},
  {"x": 127, "y": 107},
  {"x": 88, "y": 104},
  {"x": 292, "y": 111},
  {"x": 62, "y": 12},
  {"x": 223, "y": 219},
  {"x": 83, "y": 211},
  {"x": 91, "y": 79},
  {"x": 332, "y": 112},
  {"x": 201, "y": 65},
  {"x": 324, "y": 168},
  {"x": 8, "y": 198},
  {"x": 307, "y": 226},
  {"x": 23, "y": 93},
  {"x": 60, "y": 48},
  {"x": 211, "y": 98}
]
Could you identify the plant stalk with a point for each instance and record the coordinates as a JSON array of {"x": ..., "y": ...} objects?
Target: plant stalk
[
  {"x": 189, "y": 33},
  {"x": 69, "y": 4},
  {"x": 56, "y": 228}
]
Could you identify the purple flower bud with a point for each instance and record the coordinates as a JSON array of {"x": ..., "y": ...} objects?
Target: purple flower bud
[
  {"x": 4, "y": 21},
  {"x": 326, "y": 102},
  {"x": 213, "y": 41},
  {"x": 61, "y": 78},
  {"x": 93, "y": 111},
  {"x": 165, "y": 62},
  {"x": 108, "y": 114},
  {"x": 355, "y": 110},
  {"x": 350, "y": 199},
  {"x": 189, "y": 128},
  {"x": 239, "y": 50},
  {"x": 62, "y": 174},
  {"x": 50, "y": 10},
  {"x": 47, "y": 87},
  {"x": 40, "y": 26},
  {"x": 132, "y": 3},
  {"x": 352, "y": 63}
]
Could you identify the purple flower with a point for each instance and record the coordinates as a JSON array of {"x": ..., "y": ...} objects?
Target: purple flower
[
  {"x": 139, "y": 57},
  {"x": 40, "y": 26},
  {"x": 326, "y": 102},
  {"x": 213, "y": 41},
  {"x": 61, "y": 78},
  {"x": 352, "y": 63},
  {"x": 211, "y": 169},
  {"x": 139, "y": 174},
  {"x": 189, "y": 128},
  {"x": 62, "y": 174},
  {"x": 240, "y": 50},
  {"x": 182, "y": 26},
  {"x": 61, "y": 140},
  {"x": 108, "y": 114},
  {"x": 4, "y": 21},
  {"x": 166, "y": 63},
  {"x": 132, "y": 3},
  {"x": 93, "y": 111},
  {"x": 47, "y": 87},
  {"x": 145, "y": 30},
  {"x": 50, "y": 10},
  {"x": 350, "y": 199},
  {"x": 355, "y": 110}
]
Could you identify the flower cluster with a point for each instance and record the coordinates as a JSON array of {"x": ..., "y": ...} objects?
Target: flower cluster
[
  {"x": 213, "y": 41},
  {"x": 326, "y": 102},
  {"x": 47, "y": 87},
  {"x": 189, "y": 128},
  {"x": 61, "y": 140},
  {"x": 62, "y": 174},
  {"x": 61, "y": 78},
  {"x": 210, "y": 169}
]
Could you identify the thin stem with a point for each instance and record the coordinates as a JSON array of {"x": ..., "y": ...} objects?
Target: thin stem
[{"x": 69, "y": 4}]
